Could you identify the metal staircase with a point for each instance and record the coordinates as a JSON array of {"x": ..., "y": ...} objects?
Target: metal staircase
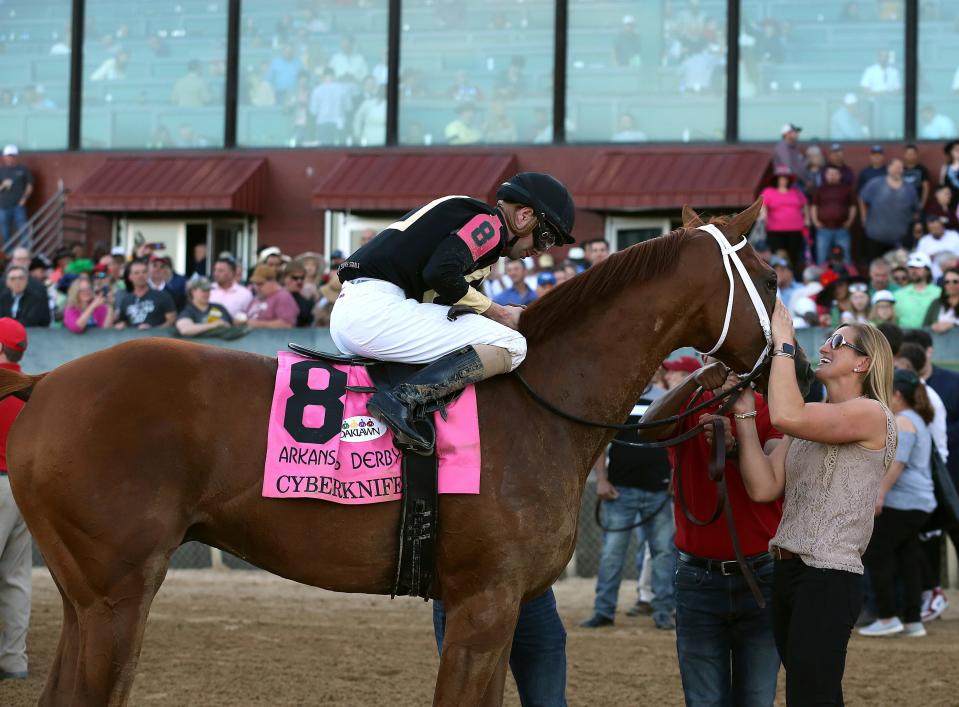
[{"x": 49, "y": 227}]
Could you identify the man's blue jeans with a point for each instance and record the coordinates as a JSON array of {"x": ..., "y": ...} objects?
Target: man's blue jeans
[
  {"x": 727, "y": 652},
  {"x": 631, "y": 506},
  {"x": 826, "y": 238},
  {"x": 538, "y": 656},
  {"x": 12, "y": 220}
]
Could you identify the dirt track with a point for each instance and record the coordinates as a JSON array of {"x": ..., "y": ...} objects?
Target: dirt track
[{"x": 248, "y": 638}]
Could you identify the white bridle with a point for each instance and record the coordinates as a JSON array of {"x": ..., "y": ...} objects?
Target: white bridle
[{"x": 730, "y": 255}]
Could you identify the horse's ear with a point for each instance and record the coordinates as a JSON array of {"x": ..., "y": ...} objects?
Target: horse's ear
[
  {"x": 691, "y": 219},
  {"x": 740, "y": 224}
]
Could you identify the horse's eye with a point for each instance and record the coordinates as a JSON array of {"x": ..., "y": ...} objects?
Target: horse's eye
[{"x": 772, "y": 284}]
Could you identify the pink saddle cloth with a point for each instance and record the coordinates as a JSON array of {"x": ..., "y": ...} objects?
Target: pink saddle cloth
[{"x": 322, "y": 444}]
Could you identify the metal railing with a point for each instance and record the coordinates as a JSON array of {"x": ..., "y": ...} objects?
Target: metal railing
[{"x": 44, "y": 232}]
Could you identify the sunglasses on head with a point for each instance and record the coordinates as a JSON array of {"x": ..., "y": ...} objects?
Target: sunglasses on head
[{"x": 837, "y": 341}]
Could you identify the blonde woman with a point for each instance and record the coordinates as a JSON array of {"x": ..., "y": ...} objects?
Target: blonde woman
[
  {"x": 87, "y": 309},
  {"x": 828, "y": 471},
  {"x": 313, "y": 264}
]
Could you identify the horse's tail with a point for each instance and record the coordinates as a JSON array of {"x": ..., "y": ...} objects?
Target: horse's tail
[{"x": 19, "y": 385}]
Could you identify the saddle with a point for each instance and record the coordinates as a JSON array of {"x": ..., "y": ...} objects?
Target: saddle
[{"x": 416, "y": 560}]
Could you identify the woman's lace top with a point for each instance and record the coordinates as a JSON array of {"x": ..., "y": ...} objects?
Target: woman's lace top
[{"x": 830, "y": 500}]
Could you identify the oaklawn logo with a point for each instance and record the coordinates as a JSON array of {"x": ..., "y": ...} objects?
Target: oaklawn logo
[{"x": 361, "y": 428}]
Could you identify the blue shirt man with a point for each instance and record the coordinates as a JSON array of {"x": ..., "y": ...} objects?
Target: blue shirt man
[{"x": 520, "y": 293}]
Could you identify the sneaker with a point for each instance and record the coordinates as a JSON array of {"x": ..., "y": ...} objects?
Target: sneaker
[
  {"x": 664, "y": 621},
  {"x": 882, "y": 628},
  {"x": 640, "y": 608},
  {"x": 935, "y": 606},
  {"x": 596, "y": 621},
  {"x": 914, "y": 629}
]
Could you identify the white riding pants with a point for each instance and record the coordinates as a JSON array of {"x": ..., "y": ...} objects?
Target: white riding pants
[{"x": 375, "y": 319}]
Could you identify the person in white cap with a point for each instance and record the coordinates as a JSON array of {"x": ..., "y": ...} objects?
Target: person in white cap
[
  {"x": 845, "y": 123},
  {"x": 16, "y": 186},
  {"x": 883, "y": 308},
  {"x": 626, "y": 48},
  {"x": 913, "y": 301},
  {"x": 787, "y": 153}
]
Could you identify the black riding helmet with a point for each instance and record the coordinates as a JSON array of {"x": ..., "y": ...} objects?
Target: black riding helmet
[{"x": 550, "y": 200}]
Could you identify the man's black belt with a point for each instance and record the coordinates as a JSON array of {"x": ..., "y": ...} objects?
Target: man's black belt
[{"x": 725, "y": 567}]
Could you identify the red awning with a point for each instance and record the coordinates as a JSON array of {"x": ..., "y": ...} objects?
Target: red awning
[
  {"x": 399, "y": 182},
  {"x": 667, "y": 179},
  {"x": 173, "y": 184}
]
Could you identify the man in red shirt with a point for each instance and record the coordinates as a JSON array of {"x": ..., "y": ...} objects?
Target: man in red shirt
[
  {"x": 727, "y": 653},
  {"x": 15, "y": 547},
  {"x": 833, "y": 211}
]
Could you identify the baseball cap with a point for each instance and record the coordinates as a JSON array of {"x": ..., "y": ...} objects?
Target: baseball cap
[
  {"x": 687, "y": 364},
  {"x": 118, "y": 250},
  {"x": 778, "y": 262},
  {"x": 883, "y": 296},
  {"x": 835, "y": 147},
  {"x": 13, "y": 335},
  {"x": 159, "y": 256},
  {"x": 9, "y": 150},
  {"x": 919, "y": 260},
  {"x": 199, "y": 283},
  {"x": 789, "y": 127},
  {"x": 337, "y": 255},
  {"x": 876, "y": 149},
  {"x": 261, "y": 274},
  {"x": 546, "y": 278},
  {"x": 40, "y": 261}
]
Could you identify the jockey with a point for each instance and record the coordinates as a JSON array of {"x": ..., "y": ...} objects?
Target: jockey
[{"x": 399, "y": 287}]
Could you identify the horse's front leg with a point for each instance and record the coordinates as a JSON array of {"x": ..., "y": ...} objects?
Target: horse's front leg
[{"x": 479, "y": 632}]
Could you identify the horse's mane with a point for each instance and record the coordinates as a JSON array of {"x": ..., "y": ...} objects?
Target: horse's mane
[{"x": 642, "y": 261}]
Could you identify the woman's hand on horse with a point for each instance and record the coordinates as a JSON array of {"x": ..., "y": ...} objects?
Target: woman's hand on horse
[
  {"x": 782, "y": 325},
  {"x": 606, "y": 491},
  {"x": 708, "y": 429},
  {"x": 712, "y": 376}
]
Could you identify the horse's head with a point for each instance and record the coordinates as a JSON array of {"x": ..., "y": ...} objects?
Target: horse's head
[{"x": 737, "y": 330}]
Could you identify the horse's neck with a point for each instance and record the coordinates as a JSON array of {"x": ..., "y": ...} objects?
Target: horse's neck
[{"x": 599, "y": 365}]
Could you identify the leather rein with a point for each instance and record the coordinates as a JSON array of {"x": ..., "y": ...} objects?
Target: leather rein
[{"x": 717, "y": 465}]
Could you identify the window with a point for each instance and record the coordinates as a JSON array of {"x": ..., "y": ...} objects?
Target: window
[
  {"x": 476, "y": 73},
  {"x": 35, "y": 73},
  {"x": 938, "y": 101},
  {"x": 646, "y": 71},
  {"x": 312, "y": 73},
  {"x": 834, "y": 68},
  {"x": 154, "y": 74}
]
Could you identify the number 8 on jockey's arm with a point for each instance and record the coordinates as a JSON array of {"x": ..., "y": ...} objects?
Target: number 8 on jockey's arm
[{"x": 438, "y": 256}]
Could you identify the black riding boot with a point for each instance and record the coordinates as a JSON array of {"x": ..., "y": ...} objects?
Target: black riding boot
[{"x": 444, "y": 376}]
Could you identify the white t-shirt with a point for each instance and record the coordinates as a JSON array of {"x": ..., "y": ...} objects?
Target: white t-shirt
[
  {"x": 932, "y": 246},
  {"x": 880, "y": 79}
]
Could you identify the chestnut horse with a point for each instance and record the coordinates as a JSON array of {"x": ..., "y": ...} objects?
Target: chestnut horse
[{"x": 122, "y": 455}]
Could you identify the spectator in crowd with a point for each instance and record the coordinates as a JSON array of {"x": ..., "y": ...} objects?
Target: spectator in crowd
[
  {"x": 787, "y": 154},
  {"x": 815, "y": 166},
  {"x": 462, "y": 130},
  {"x": 913, "y": 301},
  {"x": 499, "y": 127},
  {"x": 934, "y": 125},
  {"x": 833, "y": 213},
  {"x": 16, "y": 186},
  {"x": 845, "y": 123},
  {"x": 627, "y": 45},
  {"x": 883, "y": 308},
  {"x": 200, "y": 315},
  {"x": 88, "y": 309},
  {"x": 785, "y": 210},
  {"x": 915, "y": 173},
  {"x": 512, "y": 84},
  {"x": 938, "y": 240},
  {"x": 348, "y": 64},
  {"x": 942, "y": 314},
  {"x": 837, "y": 158},
  {"x": 906, "y": 500},
  {"x": 272, "y": 256},
  {"x": 328, "y": 294},
  {"x": 113, "y": 68},
  {"x": 227, "y": 291},
  {"x": 273, "y": 307},
  {"x": 881, "y": 77},
  {"x": 520, "y": 293},
  {"x": 912, "y": 356},
  {"x": 877, "y": 167},
  {"x": 464, "y": 90},
  {"x": 20, "y": 257},
  {"x": 336, "y": 259},
  {"x": 313, "y": 264},
  {"x": 597, "y": 250},
  {"x": 634, "y": 488},
  {"x": 939, "y": 206},
  {"x": 880, "y": 276},
  {"x": 259, "y": 90},
  {"x": 887, "y": 207},
  {"x": 293, "y": 278},
  {"x": 143, "y": 307},
  {"x": 329, "y": 106},
  {"x": 949, "y": 174},
  {"x": 162, "y": 278},
  {"x": 186, "y": 136},
  {"x": 20, "y": 302},
  {"x": 197, "y": 266},
  {"x": 16, "y": 557},
  {"x": 626, "y": 130},
  {"x": 369, "y": 121},
  {"x": 785, "y": 279},
  {"x": 284, "y": 70},
  {"x": 724, "y": 639},
  {"x": 191, "y": 90},
  {"x": 900, "y": 276},
  {"x": 545, "y": 282}
]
